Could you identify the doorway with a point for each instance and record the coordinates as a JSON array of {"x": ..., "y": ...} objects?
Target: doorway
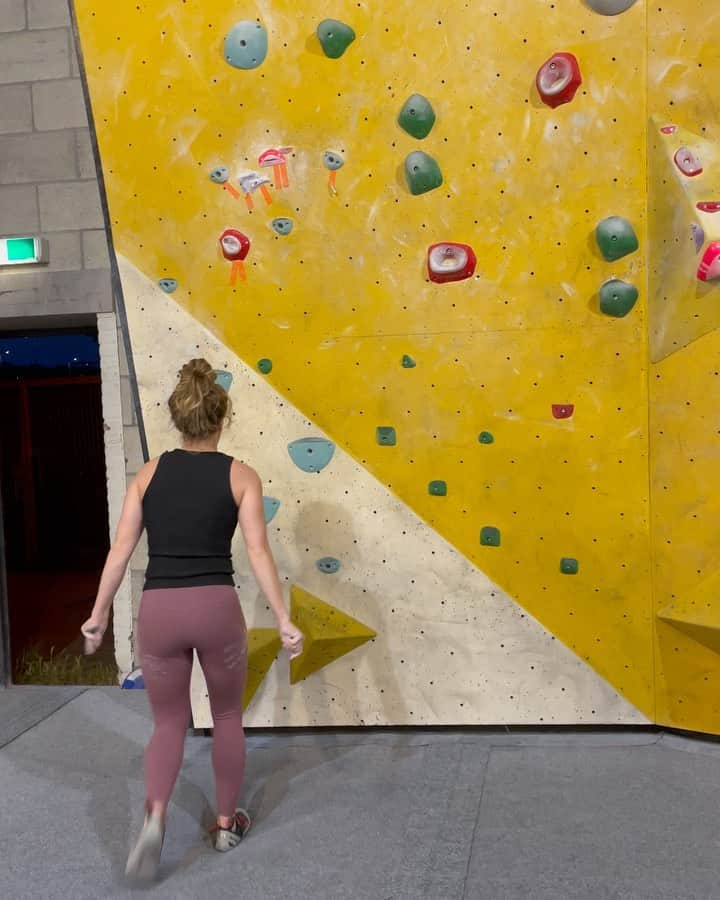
[{"x": 54, "y": 494}]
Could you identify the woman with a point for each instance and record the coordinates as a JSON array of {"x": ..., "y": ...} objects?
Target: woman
[{"x": 190, "y": 501}]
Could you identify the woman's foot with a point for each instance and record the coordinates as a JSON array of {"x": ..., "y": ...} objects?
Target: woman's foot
[
  {"x": 144, "y": 859},
  {"x": 228, "y": 838}
]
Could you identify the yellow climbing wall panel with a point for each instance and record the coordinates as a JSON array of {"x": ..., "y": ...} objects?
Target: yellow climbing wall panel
[
  {"x": 339, "y": 301},
  {"x": 684, "y": 70}
]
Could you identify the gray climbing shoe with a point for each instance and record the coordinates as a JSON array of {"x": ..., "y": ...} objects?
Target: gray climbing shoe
[
  {"x": 228, "y": 838},
  {"x": 144, "y": 859}
]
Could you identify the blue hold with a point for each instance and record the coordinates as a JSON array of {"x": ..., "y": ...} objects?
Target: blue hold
[
  {"x": 134, "y": 681},
  {"x": 246, "y": 45},
  {"x": 311, "y": 454},
  {"x": 328, "y": 565},
  {"x": 220, "y": 174},
  {"x": 281, "y": 225},
  {"x": 168, "y": 284},
  {"x": 271, "y": 506},
  {"x": 224, "y": 379}
]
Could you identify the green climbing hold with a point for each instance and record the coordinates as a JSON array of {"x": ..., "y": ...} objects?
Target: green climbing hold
[
  {"x": 569, "y": 566},
  {"x": 437, "y": 489},
  {"x": 386, "y": 436},
  {"x": 616, "y": 238},
  {"x": 408, "y": 362},
  {"x": 422, "y": 173},
  {"x": 485, "y": 437},
  {"x": 490, "y": 536},
  {"x": 335, "y": 37},
  {"x": 417, "y": 116},
  {"x": 617, "y": 298},
  {"x": 265, "y": 366}
]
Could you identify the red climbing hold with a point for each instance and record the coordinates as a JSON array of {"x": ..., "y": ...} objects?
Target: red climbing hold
[
  {"x": 709, "y": 206},
  {"x": 669, "y": 129},
  {"x": 558, "y": 79},
  {"x": 235, "y": 247},
  {"x": 687, "y": 162},
  {"x": 450, "y": 262},
  {"x": 562, "y": 410},
  {"x": 710, "y": 266}
]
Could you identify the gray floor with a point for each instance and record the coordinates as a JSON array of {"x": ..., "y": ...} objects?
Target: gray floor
[{"x": 364, "y": 815}]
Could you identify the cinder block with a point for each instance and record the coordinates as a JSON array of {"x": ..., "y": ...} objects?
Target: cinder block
[
  {"x": 85, "y": 158},
  {"x": 65, "y": 251},
  {"x": 95, "y": 250},
  {"x": 34, "y": 56},
  {"x": 15, "y": 108},
  {"x": 12, "y": 15},
  {"x": 59, "y": 104},
  {"x": 48, "y": 13},
  {"x": 19, "y": 209},
  {"x": 65, "y": 206},
  {"x": 37, "y": 157}
]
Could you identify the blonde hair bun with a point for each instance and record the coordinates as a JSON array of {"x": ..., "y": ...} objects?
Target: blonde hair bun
[{"x": 198, "y": 405}]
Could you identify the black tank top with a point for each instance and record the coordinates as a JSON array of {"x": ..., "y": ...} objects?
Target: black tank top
[{"x": 190, "y": 515}]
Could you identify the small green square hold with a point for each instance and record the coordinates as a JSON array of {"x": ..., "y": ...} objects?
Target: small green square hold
[
  {"x": 386, "y": 436},
  {"x": 490, "y": 536},
  {"x": 438, "y": 488},
  {"x": 569, "y": 566}
]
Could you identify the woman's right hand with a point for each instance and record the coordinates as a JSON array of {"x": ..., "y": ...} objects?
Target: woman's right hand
[{"x": 292, "y": 638}]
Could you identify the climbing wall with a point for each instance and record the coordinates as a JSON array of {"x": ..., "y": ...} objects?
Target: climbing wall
[
  {"x": 684, "y": 382},
  {"x": 432, "y": 254}
]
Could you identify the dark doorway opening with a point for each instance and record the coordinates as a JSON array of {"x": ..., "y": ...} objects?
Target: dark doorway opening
[{"x": 54, "y": 494}]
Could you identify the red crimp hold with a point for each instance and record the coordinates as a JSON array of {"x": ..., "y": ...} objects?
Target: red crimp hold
[
  {"x": 687, "y": 162},
  {"x": 558, "y": 79},
  {"x": 709, "y": 269},
  {"x": 709, "y": 206},
  {"x": 450, "y": 262},
  {"x": 562, "y": 410}
]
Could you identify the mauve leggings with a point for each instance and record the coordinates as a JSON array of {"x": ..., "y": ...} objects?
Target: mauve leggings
[{"x": 171, "y": 623}]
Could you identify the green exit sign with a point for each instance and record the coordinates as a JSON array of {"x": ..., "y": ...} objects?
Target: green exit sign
[{"x": 23, "y": 251}]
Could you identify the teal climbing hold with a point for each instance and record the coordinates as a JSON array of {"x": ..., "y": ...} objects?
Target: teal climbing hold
[
  {"x": 265, "y": 366},
  {"x": 485, "y": 438},
  {"x": 271, "y": 506},
  {"x": 224, "y": 379},
  {"x": 311, "y": 454},
  {"x": 246, "y": 45},
  {"x": 417, "y": 116},
  {"x": 408, "y": 362},
  {"x": 616, "y": 238},
  {"x": 490, "y": 536},
  {"x": 422, "y": 173},
  {"x": 282, "y": 225},
  {"x": 437, "y": 489},
  {"x": 386, "y": 436},
  {"x": 169, "y": 285},
  {"x": 569, "y": 566},
  {"x": 335, "y": 37},
  {"x": 328, "y": 565},
  {"x": 617, "y": 298}
]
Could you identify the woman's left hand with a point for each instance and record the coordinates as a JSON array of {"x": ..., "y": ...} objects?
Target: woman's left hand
[{"x": 93, "y": 631}]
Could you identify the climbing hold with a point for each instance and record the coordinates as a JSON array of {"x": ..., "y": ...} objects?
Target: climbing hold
[
  {"x": 249, "y": 183},
  {"x": 168, "y": 285},
  {"x": 385, "y": 436},
  {"x": 490, "y": 536},
  {"x": 486, "y": 438},
  {"x": 270, "y": 506},
  {"x": 569, "y": 565},
  {"x": 417, "y": 116},
  {"x": 335, "y": 37},
  {"x": 450, "y": 262},
  {"x": 422, "y": 173},
  {"x": 562, "y": 410},
  {"x": 224, "y": 379},
  {"x": 616, "y": 238},
  {"x": 437, "y": 489},
  {"x": 333, "y": 161},
  {"x": 617, "y": 298},
  {"x": 709, "y": 206},
  {"x": 558, "y": 79},
  {"x": 220, "y": 174},
  {"x": 610, "y": 7},
  {"x": 698, "y": 233},
  {"x": 281, "y": 225},
  {"x": 311, "y": 454},
  {"x": 246, "y": 45},
  {"x": 408, "y": 362},
  {"x": 277, "y": 159},
  {"x": 328, "y": 565},
  {"x": 687, "y": 162},
  {"x": 709, "y": 269},
  {"x": 265, "y": 366},
  {"x": 263, "y": 646},
  {"x": 669, "y": 129},
  {"x": 235, "y": 247}
]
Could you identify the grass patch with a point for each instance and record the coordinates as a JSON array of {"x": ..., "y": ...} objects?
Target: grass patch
[{"x": 64, "y": 668}]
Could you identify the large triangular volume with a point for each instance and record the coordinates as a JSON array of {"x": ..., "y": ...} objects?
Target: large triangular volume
[{"x": 263, "y": 647}]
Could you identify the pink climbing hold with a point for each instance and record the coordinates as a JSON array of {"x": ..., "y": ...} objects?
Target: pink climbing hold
[
  {"x": 669, "y": 129},
  {"x": 558, "y": 79},
  {"x": 562, "y": 410},
  {"x": 687, "y": 162},
  {"x": 709, "y": 269},
  {"x": 277, "y": 158}
]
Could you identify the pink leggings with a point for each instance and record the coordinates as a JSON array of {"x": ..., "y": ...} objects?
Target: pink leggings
[{"x": 171, "y": 623}]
